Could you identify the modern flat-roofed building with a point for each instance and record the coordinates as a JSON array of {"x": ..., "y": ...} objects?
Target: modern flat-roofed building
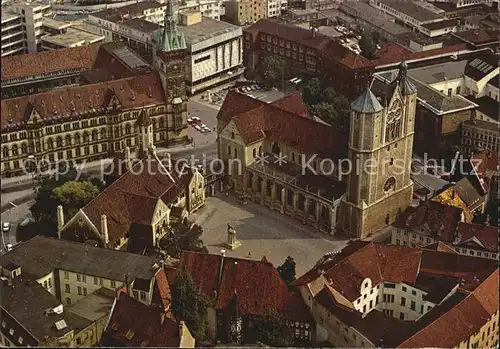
[
  {"x": 22, "y": 27},
  {"x": 215, "y": 51},
  {"x": 245, "y": 12},
  {"x": 70, "y": 37}
]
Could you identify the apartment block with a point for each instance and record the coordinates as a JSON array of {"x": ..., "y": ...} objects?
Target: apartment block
[
  {"x": 245, "y": 12},
  {"x": 22, "y": 27}
]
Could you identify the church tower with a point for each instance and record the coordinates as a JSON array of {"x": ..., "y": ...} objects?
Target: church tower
[
  {"x": 380, "y": 151},
  {"x": 169, "y": 59},
  {"x": 145, "y": 129}
]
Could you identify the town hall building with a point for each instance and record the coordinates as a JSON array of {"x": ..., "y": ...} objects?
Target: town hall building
[{"x": 294, "y": 164}]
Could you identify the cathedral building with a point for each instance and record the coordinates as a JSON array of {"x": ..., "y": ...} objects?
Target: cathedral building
[
  {"x": 294, "y": 164},
  {"x": 82, "y": 104}
]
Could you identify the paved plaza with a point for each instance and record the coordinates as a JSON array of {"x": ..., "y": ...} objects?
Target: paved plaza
[{"x": 262, "y": 232}]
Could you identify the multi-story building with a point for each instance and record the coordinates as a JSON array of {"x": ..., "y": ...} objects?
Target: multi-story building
[
  {"x": 46, "y": 276},
  {"x": 275, "y": 8},
  {"x": 232, "y": 312},
  {"x": 431, "y": 222},
  {"x": 376, "y": 295},
  {"x": 307, "y": 52},
  {"x": 245, "y": 12},
  {"x": 95, "y": 114},
  {"x": 215, "y": 51},
  {"x": 22, "y": 27},
  {"x": 114, "y": 218},
  {"x": 208, "y": 8},
  {"x": 479, "y": 135},
  {"x": 214, "y": 48},
  {"x": 133, "y": 323}
]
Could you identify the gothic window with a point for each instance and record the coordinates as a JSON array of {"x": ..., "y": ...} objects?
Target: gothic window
[
  {"x": 128, "y": 129},
  {"x": 254, "y": 153},
  {"x": 85, "y": 137},
  {"x": 390, "y": 184},
  {"x": 15, "y": 150},
  {"x": 393, "y": 125},
  {"x": 50, "y": 143},
  {"x": 68, "y": 139},
  {"x": 103, "y": 133},
  {"x": 77, "y": 138},
  {"x": 59, "y": 142},
  {"x": 94, "y": 135},
  {"x": 276, "y": 149}
]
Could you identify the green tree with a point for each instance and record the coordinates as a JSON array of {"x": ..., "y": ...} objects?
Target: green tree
[
  {"x": 74, "y": 195},
  {"x": 287, "y": 270},
  {"x": 311, "y": 93},
  {"x": 190, "y": 305},
  {"x": 272, "y": 330},
  {"x": 368, "y": 47},
  {"x": 272, "y": 69},
  {"x": 183, "y": 237}
]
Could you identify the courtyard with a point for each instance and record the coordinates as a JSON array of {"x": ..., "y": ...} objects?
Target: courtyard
[{"x": 262, "y": 233}]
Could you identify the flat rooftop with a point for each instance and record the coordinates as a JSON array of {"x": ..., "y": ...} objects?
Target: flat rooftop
[
  {"x": 73, "y": 37},
  {"x": 374, "y": 16},
  {"x": 95, "y": 306},
  {"x": 141, "y": 25},
  {"x": 7, "y": 14},
  {"x": 413, "y": 10},
  {"x": 208, "y": 28},
  {"x": 491, "y": 126},
  {"x": 54, "y": 23},
  {"x": 114, "y": 14},
  {"x": 439, "y": 72}
]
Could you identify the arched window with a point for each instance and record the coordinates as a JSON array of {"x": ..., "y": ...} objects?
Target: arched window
[
  {"x": 235, "y": 152},
  {"x": 254, "y": 153},
  {"x": 24, "y": 148},
  {"x": 276, "y": 149},
  {"x": 390, "y": 184},
  {"x": 50, "y": 143},
  {"x": 5, "y": 152},
  {"x": 59, "y": 141},
  {"x": 15, "y": 150},
  {"x": 77, "y": 138},
  {"x": 260, "y": 149},
  {"x": 103, "y": 133},
  {"x": 94, "y": 135},
  {"x": 85, "y": 137},
  {"x": 229, "y": 150},
  {"x": 68, "y": 140},
  {"x": 128, "y": 129},
  {"x": 162, "y": 123}
]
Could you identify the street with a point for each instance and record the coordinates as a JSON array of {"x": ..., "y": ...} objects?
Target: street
[{"x": 14, "y": 216}]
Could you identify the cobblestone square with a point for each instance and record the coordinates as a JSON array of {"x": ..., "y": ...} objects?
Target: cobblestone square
[{"x": 262, "y": 232}]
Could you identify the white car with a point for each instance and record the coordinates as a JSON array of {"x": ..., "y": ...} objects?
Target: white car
[
  {"x": 189, "y": 120},
  {"x": 197, "y": 128},
  {"x": 5, "y": 227},
  {"x": 358, "y": 37}
]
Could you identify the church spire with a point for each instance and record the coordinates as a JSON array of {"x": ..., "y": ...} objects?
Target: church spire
[
  {"x": 406, "y": 87},
  {"x": 172, "y": 38}
]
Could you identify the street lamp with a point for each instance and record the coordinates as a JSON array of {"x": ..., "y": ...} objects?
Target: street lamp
[{"x": 33, "y": 167}]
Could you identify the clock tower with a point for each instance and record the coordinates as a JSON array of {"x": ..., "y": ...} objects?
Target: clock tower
[
  {"x": 169, "y": 59},
  {"x": 380, "y": 152}
]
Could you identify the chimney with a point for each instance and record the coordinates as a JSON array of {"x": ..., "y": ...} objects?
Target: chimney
[
  {"x": 60, "y": 220},
  {"x": 127, "y": 286},
  {"x": 222, "y": 254},
  {"x": 104, "y": 230},
  {"x": 128, "y": 161}
]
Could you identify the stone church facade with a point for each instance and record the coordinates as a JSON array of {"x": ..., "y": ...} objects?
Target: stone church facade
[{"x": 358, "y": 204}]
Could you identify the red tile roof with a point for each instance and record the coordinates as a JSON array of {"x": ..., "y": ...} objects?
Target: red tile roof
[
  {"x": 485, "y": 162},
  {"x": 293, "y": 103},
  {"x": 82, "y": 57},
  {"x": 460, "y": 322},
  {"x": 163, "y": 288},
  {"x": 445, "y": 325},
  {"x": 487, "y": 236},
  {"x": 75, "y": 101},
  {"x": 133, "y": 323},
  {"x": 133, "y": 197},
  {"x": 442, "y": 220},
  {"x": 258, "y": 121},
  {"x": 256, "y": 284},
  {"x": 441, "y": 247},
  {"x": 475, "y": 36}
]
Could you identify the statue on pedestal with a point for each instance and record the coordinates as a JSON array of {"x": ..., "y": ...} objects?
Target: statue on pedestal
[{"x": 232, "y": 243}]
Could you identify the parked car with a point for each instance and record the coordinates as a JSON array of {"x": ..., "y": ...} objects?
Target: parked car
[
  {"x": 189, "y": 120},
  {"x": 5, "y": 227},
  {"x": 197, "y": 127}
]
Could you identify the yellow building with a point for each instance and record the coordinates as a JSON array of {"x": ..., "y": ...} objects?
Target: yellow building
[
  {"x": 376, "y": 295},
  {"x": 245, "y": 12},
  {"x": 82, "y": 104}
]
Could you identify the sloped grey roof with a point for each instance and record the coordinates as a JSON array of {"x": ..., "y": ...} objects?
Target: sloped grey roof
[{"x": 367, "y": 103}]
